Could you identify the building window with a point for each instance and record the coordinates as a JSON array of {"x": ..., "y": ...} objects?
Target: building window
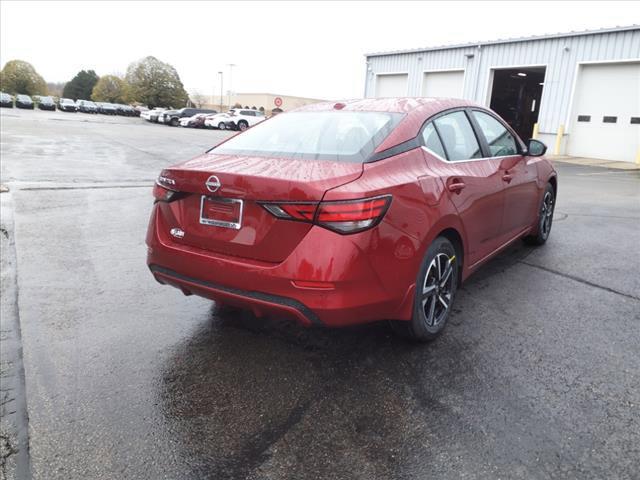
[
  {"x": 635, "y": 120},
  {"x": 609, "y": 119},
  {"x": 584, "y": 118}
]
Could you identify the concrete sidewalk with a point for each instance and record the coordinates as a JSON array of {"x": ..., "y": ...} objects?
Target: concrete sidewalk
[{"x": 594, "y": 162}]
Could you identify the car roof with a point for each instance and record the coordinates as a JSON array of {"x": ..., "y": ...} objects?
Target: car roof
[
  {"x": 416, "y": 110},
  {"x": 392, "y": 104}
]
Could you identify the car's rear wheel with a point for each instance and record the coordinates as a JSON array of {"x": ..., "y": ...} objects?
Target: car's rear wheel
[
  {"x": 174, "y": 122},
  {"x": 242, "y": 125},
  {"x": 436, "y": 287},
  {"x": 545, "y": 217},
  {"x": 221, "y": 126}
]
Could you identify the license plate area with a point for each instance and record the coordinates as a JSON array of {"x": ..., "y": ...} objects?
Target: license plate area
[{"x": 221, "y": 212}]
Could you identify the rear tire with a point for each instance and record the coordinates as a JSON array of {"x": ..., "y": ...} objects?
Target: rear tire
[
  {"x": 222, "y": 126},
  {"x": 545, "y": 217},
  {"x": 436, "y": 287},
  {"x": 174, "y": 122}
]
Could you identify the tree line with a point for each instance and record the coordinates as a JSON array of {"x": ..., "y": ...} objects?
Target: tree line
[{"x": 148, "y": 81}]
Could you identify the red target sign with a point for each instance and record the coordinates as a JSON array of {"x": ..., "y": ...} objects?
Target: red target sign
[{"x": 277, "y": 101}]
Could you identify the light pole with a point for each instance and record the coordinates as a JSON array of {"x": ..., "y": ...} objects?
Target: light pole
[
  {"x": 231, "y": 65},
  {"x": 221, "y": 100}
]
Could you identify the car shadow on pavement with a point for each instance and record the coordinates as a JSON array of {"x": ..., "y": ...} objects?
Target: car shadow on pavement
[{"x": 249, "y": 397}]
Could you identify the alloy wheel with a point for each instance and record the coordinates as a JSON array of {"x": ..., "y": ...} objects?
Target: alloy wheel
[
  {"x": 437, "y": 289},
  {"x": 546, "y": 214}
]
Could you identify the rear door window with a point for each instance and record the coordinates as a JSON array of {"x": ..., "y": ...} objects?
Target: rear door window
[
  {"x": 432, "y": 141},
  {"x": 501, "y": 142},
  {"x": 457, "y": 136}
]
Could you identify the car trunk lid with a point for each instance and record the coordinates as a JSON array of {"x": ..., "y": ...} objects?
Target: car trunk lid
[{"x": 237, "y": 185}]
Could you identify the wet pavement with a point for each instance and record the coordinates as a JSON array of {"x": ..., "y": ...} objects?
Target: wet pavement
[{"x": 536, "y": 376}]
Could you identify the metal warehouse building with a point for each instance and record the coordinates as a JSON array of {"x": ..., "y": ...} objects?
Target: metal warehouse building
[{"x": 580, "y": 90}]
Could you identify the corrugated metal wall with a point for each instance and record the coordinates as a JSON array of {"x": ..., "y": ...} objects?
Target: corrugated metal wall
[{"x": 561, "y": 57}]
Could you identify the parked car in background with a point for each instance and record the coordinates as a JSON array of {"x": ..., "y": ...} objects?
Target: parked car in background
[
  {"x": 241, "y": 119},
  {"x": 87, "y": 106},
  {"x": 172, "y": 117},
  {"x": 106, "y": 108},
  {"x": 124, "y": 110},
  {"x": 6, "y": 100},
  {"x": 139, "y": 109},
  {"x": 146, "y": 114},
  {"x": 24, "y": 101},
  {"x": 216, "y": 120},
  {"x": 156, "y": 114},
  {"x": 46, "y": 103},
  {"x": 67, "y": 105},
  {"x": 195, "y": 121},
  {"x": 151, "y": 115},
  {"x": 388, "y": 204}
]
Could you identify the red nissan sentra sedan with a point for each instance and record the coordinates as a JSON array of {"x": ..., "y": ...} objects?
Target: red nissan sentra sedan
[{"x": 345, "y": 213}]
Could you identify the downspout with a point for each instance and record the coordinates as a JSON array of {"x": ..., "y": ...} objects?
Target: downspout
[{"x": 478, "y": 60}]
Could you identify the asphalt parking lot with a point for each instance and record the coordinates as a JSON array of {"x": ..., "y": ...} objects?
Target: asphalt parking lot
[{"x": 536, "y": 376}]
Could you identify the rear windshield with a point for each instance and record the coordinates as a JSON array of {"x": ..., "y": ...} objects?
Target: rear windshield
[{"x": 331, "y": 135}]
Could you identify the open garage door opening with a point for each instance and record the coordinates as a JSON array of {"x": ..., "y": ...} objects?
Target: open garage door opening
[{"x": 515, "y": 96}]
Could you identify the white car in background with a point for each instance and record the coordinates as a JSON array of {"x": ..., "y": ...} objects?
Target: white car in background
[
  {"x": 152, "y": 115},
  {"x": 217, "y": 120},
  {"x": 241, "y": 119},
  {"x": 195, "y": 121}
]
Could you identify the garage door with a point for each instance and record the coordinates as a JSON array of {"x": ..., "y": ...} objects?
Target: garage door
[
  {"x": 443, "y": 84},
  {"x": 394, "y": 85},
  {"x": 605, "y": 119}
]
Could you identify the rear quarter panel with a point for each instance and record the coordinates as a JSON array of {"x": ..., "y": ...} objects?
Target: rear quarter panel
[{"x": 419, "y": 211}]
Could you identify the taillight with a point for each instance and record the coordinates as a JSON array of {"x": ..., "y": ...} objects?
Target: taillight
[
  {"x": 164, "y": 188},
  {"x": 162, "y": 194},
  {"x": 348, "y": 216}
]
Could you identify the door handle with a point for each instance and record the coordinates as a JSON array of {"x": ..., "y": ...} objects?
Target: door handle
[
  {"x": 507, "y": 177},
  {"x": 456, "y": 186}
]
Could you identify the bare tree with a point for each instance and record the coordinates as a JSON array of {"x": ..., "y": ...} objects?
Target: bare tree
[{"x": 199, "y": 99}]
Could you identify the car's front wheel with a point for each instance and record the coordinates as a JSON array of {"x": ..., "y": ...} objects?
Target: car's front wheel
[
  {"x": 242, "y": 125},
  {"x": 436, "y": 287},
  {"x": 545, "y": 217}
]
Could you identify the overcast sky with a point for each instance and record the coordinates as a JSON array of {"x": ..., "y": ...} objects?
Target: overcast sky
[{"x": 306, "y": 49}]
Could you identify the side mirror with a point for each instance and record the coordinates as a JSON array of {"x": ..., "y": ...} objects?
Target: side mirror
[{"x": 535, "y": 148}]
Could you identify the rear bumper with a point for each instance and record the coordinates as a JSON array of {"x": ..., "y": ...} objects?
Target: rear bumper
[
  {"x": 349, "y": 290},
  {"x": 235, "y": 296}
]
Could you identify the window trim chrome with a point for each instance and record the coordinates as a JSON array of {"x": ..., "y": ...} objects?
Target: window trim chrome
[{"x": 449, "y": 162}]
